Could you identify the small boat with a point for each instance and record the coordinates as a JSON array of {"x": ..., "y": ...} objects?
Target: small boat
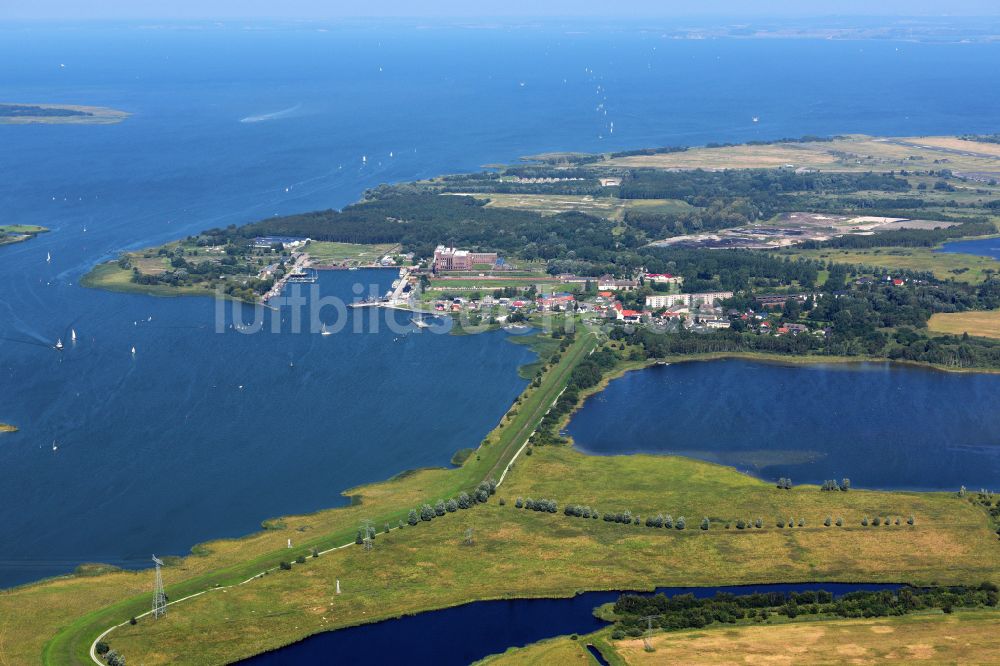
[
  {"x": 55, "y": 447},
  {"x": 133, "y": 350},
  {"x": 756, "y": 119},
  {"x": 72, "y": 335},
  {"x": 420, "y": 323},
  {"x": 48, "y": 257},
  {"x": 59, "y": 345},
  {"x": 324, "y": 331}
]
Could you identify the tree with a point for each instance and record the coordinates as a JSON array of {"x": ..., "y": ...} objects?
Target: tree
[
  {"x": 439, "y": 508},
  {"x": 426, "y": 513},
  {"x": 704, "y": 523},
  {"x": 759, "y": 523},
  {"x": 451, "y": 506},
  {"x": 359, "y": 539},
  {"x": 864, "y": 521},
  {"x": 840, "y": 522},
  {"x": 101, "y": 648},
  {"x": 680, "y": 524},
  {"x": 301, "y": 559},
  {"x": 519, "y": 503},
  {"x": 828, "y": 521},
  {"x": 285, "y": 566},
  {"x": 463, "y": 501},
  {"x": 668, "y": 522},
  {"x": 845, "y": 484},
  {"x": 315, "y": 552},
  {"x": 114, "y": 658},
  {"x": 411, "y": 519},
  {"x": 910, "y": 521}
]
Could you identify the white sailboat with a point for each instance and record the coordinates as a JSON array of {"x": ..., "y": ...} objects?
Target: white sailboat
[
  {"x": 59, "y": 344},
  {"x": 324, "y": 331},
  {"x": 55, "y": 447},
  {"x": 72, "y": 335},
  {"x": 133, "y": 350},
  {"x": 48, "y": 257},
  {"x": 756, "y": 119}
]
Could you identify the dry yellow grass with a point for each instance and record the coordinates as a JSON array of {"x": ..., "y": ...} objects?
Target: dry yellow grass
[
  {"x": 954, "y": 143},
  {"x": 857, "y": 153},
  {"x": 733, "y": 157},
  {"x": 980, "y": 323},
  {"x": 968, "y": 637}
]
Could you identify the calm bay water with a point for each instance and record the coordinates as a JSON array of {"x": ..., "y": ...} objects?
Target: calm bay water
[
  {"x": 984, "y": 247},
  {"x": 882, "y": 426},
  {"x": 162, "y": 450}
]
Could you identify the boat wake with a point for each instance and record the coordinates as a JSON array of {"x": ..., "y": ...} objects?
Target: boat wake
[{"x": 277, "y": 115}]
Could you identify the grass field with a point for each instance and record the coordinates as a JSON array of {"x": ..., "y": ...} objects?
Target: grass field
[
  {"x": 608, "y": 207},
  {"x": 112, "y": 277},
  {"x": 983, "y": 324},
  {"x": 964, "y": 637},
  {"x": 351, "y": 254},
  {"x": 852, "y": 153},
  {"x": 944, "y": 265},
  {"x": 520, "y": 553}
]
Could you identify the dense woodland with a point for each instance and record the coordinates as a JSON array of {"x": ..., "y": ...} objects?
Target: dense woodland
[{"x": 685, "y": 611}]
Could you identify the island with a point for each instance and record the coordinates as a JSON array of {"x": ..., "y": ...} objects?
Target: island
[
  {"x": 59, "y": 114},
  {"x": 641, "y": 258},
  {"x": 17, "y": 233},
  {"x": 6, "y": 427}
]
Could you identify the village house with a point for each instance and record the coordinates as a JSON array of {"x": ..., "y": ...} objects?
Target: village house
[{"x": 555, "y": 302}]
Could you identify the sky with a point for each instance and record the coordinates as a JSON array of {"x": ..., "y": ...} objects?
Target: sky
[{"x": 328, "y": 9}]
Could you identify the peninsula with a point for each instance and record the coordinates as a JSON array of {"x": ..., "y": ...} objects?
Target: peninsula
[
  {"x": 525, "y": 514},
  {"x": 59, "y": 114}
]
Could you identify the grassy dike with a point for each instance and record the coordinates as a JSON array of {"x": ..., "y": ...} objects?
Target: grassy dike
[{"x": 76, "y": 609}]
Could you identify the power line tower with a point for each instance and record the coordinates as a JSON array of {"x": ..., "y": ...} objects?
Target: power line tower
[
  {"x": 649, "y": 632},
  {"x": 159, "y": 596},
  {"x": 368, "y": 532}
]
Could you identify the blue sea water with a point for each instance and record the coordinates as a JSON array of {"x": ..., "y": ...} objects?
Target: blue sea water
[
  {"x": 236, "y": 122},
  {"x": 880, "y": 425}
]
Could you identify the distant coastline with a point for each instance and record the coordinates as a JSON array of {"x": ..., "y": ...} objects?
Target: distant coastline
[{"x": 59, "y": 114}]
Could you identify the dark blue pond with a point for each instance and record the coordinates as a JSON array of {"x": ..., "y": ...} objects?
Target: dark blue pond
[
  {"x": 465, "y": 634},
  {"x": 882, "y": 426},
  {"x": 984, "y": 247}
]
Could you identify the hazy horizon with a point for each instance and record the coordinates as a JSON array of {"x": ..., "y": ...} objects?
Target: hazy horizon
[{"x": 513, "y": 9}]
